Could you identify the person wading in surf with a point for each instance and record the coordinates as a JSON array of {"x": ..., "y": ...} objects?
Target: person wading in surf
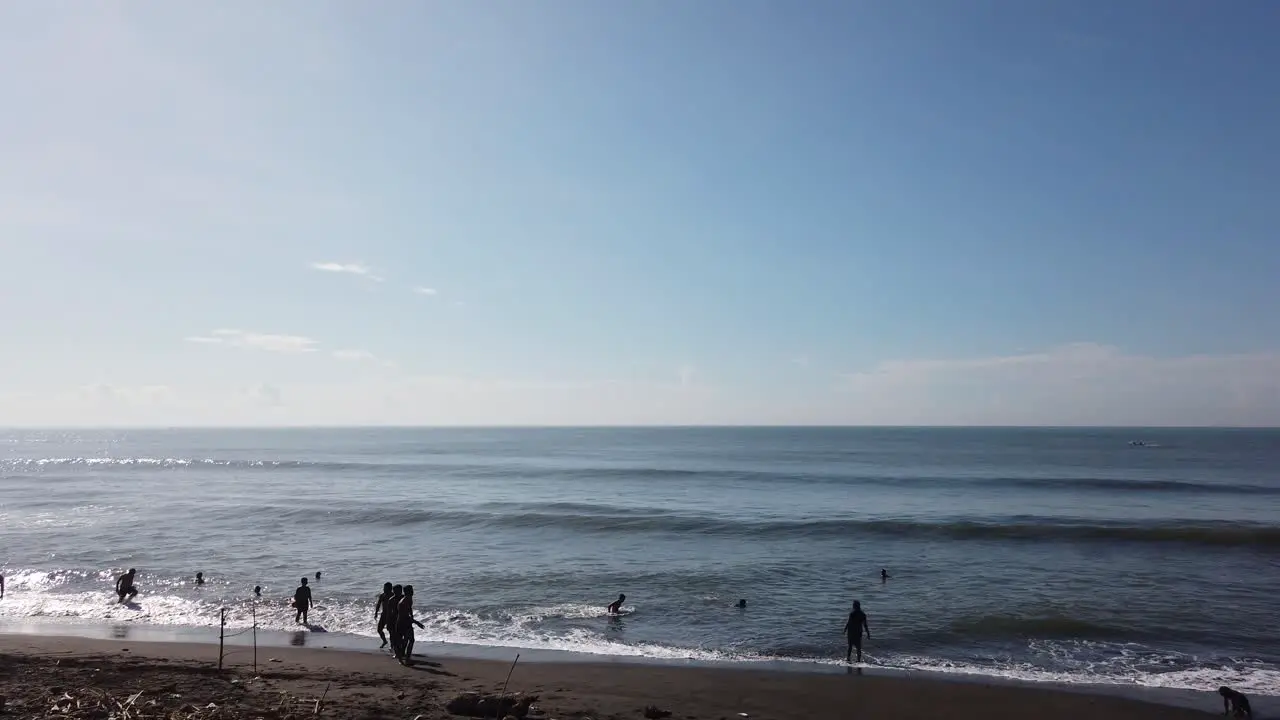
[
  {"x": 1234, "y": 702},
  {"x": 853, "y": 630},
  {"x": 616, "y": 606},
  {"x": 380, "y": 611},
  {"x": 302, "y": 602}
]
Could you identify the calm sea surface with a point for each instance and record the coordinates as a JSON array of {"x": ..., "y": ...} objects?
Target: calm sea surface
[{"x": 1066, "y": 555}]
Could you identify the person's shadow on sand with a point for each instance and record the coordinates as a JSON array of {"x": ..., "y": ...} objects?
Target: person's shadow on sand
[{"x": 426, "y": 666}]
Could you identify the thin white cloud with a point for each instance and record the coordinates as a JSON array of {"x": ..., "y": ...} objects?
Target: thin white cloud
[
  {"x": 426, "y": 291},
  {"x": 353, "y": 355},
  {"x": 257, "y": 341},
  {"x": 357, "y": 269},
  {"x": 1075, "y": 384}
]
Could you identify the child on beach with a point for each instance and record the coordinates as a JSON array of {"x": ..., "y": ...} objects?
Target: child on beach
[{"x": 1235, "y": 703}]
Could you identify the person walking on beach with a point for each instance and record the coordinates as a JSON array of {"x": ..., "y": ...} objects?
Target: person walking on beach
[
  {"x": 391, "y": 607},
  {"x": 404, "y": 626},
  {"x": 302, "y": 601},
  {"x": 124, "y": 585},
  {"x": 853, "y": 629},
  {"x": 380, "y": 611},
  {"x": 1235, "y": 703},
  {"x": 616, "y": 606}
]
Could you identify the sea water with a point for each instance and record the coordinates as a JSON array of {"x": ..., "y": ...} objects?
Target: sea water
[{"x": 1070, "y": 555}]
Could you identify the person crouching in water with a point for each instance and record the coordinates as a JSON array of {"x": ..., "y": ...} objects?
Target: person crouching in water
[{"x": 404, "y": 626}]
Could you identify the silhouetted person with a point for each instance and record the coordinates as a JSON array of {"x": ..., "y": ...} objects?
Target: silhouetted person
[
  {"x": 404, "y": 626},
  {"x": 124, "y": 585},
  {"x": 302, "y": 601},
  {"x": 884, "y": 575},
  {"x": 1, "y": 587},
  {"x": 380, "y": 611},
  {"x": 257, "y": 591},
  {"x": 853, "y": 629},
  {"x": 391, "y": 608},
  {"x": 1235, "y": 703},
  {"x": 616, "y": 606},
  {"x": 742, "y": 604},
  {"x": 317, "y": 575},
  {"x": 199, "y": 578}
]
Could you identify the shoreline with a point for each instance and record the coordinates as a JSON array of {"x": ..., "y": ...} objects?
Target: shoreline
[
  {"x": 269, "y": 642},
  {"x": 371, "y": 684}
]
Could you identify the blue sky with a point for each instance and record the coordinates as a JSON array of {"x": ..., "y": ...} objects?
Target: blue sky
[{"x": 712, "y": 212}]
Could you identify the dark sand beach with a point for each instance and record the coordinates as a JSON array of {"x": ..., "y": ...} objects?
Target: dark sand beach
[{"x": 181, "y": 680}]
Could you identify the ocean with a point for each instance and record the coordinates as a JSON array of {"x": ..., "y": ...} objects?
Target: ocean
[{"x": 1066, "y": 555}]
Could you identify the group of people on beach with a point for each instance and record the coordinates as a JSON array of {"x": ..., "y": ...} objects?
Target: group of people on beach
[{"x": 394, "y": 613}]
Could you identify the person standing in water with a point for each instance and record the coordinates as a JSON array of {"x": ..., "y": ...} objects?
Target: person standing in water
[
  {"x": 380, "y": 611},
  {"x": 199, "y": 578},
  {"x": 303, "y": 602},
  {"x": 404, "y": 626},
  {"x": 1, "y": 586},
  {"x": 124, "y": 585},
  {"x": 257, "y": 591},
  {"x": 616, "y": 606},
  {"x": 884, "y": 575},
  {"x": 853, "y": 629}
]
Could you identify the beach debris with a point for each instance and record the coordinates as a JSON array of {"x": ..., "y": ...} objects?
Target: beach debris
[
  {"x": 477, "y": 705},
  {"x": 653, "y": 712}
]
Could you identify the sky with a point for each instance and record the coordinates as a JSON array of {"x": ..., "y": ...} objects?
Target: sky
[{"x": 577, "y": 213}]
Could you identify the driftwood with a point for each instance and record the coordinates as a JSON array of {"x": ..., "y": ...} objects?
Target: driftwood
[{"x": 494, "y": 706}]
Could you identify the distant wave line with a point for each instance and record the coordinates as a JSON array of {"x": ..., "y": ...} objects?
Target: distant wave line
[{"x": 517, "y": 471}]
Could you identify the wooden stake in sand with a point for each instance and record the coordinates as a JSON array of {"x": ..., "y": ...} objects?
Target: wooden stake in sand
[{"x": 503, "y": 696}]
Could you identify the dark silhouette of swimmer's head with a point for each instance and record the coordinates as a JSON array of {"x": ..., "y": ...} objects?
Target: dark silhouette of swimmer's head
[
  {"x": 132, "y": 572},
  {"x": 742, "y": 603},
  {"x": 621, "y": 597},
  {"x": 386, "y": 588},
  {"x": 257, "y": 590},
  {"x": 199, "y": 578},
  {"x": 408, "y": 591},
  {"x": 317, "y": 574}
]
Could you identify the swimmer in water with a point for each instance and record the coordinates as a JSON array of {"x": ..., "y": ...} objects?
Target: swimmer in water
[
  {"x": 317, "y": 574},
  {"x": 742, "y": 604},
  {"x": 884, "y": 575},
  {"x": 1235, "y": 703},
  {"x": 616, "y": 606},
  {"x": 257, "y": 591},
  {"x": 199, "y": 578}
]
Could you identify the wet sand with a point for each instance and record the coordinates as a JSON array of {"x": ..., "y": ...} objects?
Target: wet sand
[{"x": 182, "y": 678}]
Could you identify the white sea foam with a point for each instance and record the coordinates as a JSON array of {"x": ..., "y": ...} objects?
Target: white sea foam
[{"x": 29, "y": 598}]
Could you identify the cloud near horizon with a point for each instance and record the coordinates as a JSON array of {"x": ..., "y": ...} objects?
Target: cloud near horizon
[{"x": 1082, "y": 384}]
